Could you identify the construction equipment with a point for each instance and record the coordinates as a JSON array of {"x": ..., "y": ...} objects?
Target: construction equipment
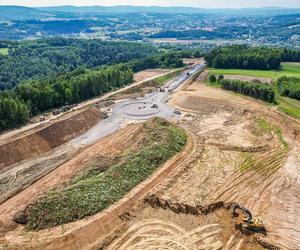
[{"x": 250, "y": 223}]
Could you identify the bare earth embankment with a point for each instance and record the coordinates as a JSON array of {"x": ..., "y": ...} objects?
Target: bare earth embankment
[{"x": 41, "y": 140}]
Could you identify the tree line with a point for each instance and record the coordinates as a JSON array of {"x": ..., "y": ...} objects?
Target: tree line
[
  {"x": 35, "y": 96},
  {"x": 167, "y": 60},
  {"x": 42, "y": 58},
  {"x": 260, "y": 91},
  {"x": 289, "y": 86},
  {"x": 247, "y": 57}
]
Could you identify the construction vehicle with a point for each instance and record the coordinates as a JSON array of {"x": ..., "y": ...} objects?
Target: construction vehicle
[{"x": 250, "y": 223}]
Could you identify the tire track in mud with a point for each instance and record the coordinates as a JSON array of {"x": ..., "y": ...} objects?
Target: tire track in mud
[
  {"x": 256, "y": 175},
  {"x": 221, "y": 210},
  {"x": 159, "y": 234}
]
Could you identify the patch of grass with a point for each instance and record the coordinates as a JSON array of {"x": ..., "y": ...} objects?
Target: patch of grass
[
  {"x": 4, "y": 51},
  {"x": 161, "y": 80},
  {"x": 270, "y": 128},
  {"x": 94, "y": 190},
  {"x": 248, "y": 162},
  {"x": 289, "y": 106},
  {"x": 290, "y": 69}
]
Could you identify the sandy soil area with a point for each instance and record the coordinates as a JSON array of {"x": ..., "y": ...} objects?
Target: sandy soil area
[
  {"x": 145, "y": 74},
  {"x": 44, "y": 139}
]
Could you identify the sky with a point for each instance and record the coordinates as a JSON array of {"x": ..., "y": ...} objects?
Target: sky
[{"x": 191, "y": 3}]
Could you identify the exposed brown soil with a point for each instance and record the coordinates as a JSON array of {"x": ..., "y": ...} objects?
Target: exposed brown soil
[
  {"x": 163, "y": 224},
  {"x": 45, "y": 139},
  {"x": 190, "y": 61},
  {"x": 137, "y": 91},
  {"x": 144, "y": 74}
]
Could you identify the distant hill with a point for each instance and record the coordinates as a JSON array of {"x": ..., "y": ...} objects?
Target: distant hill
[
  {"x": 168, "y": 10},
  {"x": 12, "y": 12}
]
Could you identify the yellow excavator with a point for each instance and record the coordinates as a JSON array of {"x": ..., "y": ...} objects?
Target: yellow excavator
[{"x": 250, "y": 223}]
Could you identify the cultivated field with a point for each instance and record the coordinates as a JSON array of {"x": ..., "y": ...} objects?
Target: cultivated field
[
  {"x": 287, "y": 69},
  {"x": 248, "y": 78}
]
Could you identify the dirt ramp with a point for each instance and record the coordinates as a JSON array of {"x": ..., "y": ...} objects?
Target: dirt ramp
[{"x": 50, "y": 137}]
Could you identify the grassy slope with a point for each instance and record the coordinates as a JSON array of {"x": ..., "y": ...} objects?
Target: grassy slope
[
  {"x": 161, "y": 80},
  {"x": 287, "y": 105},
  {"x": 4, "y": 51},
  {"x": 95, "y": 190}
]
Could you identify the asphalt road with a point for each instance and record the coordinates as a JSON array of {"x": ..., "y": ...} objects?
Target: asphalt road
[{"x": 140, "y": 109}]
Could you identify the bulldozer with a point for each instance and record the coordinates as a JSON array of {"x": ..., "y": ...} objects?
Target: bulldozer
[{"x": 249, "y": 223}]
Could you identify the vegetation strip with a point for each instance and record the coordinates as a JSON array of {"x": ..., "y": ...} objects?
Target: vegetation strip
[
  {"x": 260, "y": 91},
  {"x": 96, "y": 189}
]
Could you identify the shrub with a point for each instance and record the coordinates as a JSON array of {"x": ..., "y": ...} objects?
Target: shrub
[
  {"x": 289, "y": 86},
  {"x": 212, "y": 78},
  {"x": 220, "y": 78}
]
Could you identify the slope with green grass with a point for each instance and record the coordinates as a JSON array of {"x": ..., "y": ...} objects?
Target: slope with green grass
[
  {"x": 96, "y": 189},
  {"x": 161, "y": 80}
]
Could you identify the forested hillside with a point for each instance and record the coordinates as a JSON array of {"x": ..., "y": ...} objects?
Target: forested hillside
[
  {"x": 35, "y": 96},
  {"x": 247, "y": 57},
  {"x": 37, "y": 59}
]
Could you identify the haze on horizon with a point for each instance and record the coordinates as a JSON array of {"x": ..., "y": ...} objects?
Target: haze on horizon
[{"x": 188, "y": 3}]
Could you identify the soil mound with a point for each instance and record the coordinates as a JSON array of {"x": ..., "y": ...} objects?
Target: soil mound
[{"x": 50, "y": 137}]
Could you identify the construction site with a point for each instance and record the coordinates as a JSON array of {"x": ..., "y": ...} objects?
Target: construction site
[{"x": 227, "y": 177}]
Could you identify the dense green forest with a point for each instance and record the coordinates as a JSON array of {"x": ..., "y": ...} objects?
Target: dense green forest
[
  {"x": 260, "y": 91},
  {"x": 289, "y": 86},
  {"x": 37, "y": 59},
  {"x": 12, "y": 112},
  {"x": 35, "y": 96},
  {"x": 247, "y": 57}
]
